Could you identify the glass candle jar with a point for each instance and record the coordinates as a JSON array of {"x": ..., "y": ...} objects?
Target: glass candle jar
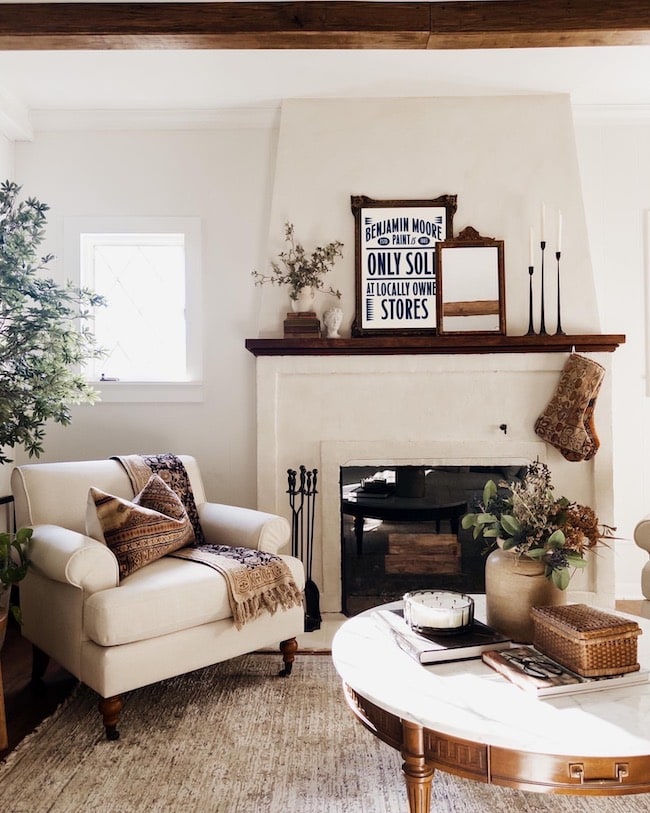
[{"x": 438, "y": 611}]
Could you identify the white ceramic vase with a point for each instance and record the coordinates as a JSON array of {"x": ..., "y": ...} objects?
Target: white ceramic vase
[
  {"x": 513, "y": 586},
  {"x": 305, "y": 300}
]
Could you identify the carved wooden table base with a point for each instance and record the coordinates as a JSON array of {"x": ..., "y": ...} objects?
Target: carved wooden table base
[{"x": 425, "y": 750}]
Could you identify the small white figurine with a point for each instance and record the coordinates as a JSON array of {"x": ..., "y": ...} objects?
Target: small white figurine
[{"x": 332, "y": 319}]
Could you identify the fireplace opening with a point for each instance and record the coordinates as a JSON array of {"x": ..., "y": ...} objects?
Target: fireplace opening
[{"x": 401, "y": 530}]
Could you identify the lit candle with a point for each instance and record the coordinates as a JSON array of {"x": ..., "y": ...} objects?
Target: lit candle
[
  {"x": 559, "y": 231},
  {"x": 542, "y": 236},
  {"x": 531, "y": 250}
]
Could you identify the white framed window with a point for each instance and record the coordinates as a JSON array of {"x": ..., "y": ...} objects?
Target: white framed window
[{"x": 148, "y": 270}]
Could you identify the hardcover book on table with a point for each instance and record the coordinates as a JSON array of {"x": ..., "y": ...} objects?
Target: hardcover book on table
[
  {"x": 433, "y": 648},
  {"x": 538, "y": 674}
]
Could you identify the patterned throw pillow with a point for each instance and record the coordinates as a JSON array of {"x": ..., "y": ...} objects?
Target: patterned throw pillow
[{"x": 140, "y": 531}]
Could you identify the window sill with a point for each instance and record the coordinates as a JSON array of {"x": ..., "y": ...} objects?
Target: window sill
[{"x": 156, "y": 392}]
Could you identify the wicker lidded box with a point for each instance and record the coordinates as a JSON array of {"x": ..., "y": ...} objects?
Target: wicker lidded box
[{"x": 586, "y": 640}]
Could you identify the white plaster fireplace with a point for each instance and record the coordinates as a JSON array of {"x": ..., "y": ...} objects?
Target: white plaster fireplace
[
  {"x": 325, "y": 412},
  {"x": 503, "y": 157}
]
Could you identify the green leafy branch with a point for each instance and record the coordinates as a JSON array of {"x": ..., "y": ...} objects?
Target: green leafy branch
[
  {"x": 300, "y": 269},
  {"x": 45, "y": 336}
]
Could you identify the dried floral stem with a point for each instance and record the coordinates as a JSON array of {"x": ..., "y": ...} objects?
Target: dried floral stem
[
  {"x": 302, "y": 270},
  {"x": 532, "y": 522}
]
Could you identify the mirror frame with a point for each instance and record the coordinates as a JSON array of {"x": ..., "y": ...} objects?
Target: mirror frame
[
  {"x": 470, "y": 238},
  {"x": 407, "y": 312}
]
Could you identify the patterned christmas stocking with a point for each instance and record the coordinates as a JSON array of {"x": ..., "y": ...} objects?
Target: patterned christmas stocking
[{"x": 568, "y": 421}]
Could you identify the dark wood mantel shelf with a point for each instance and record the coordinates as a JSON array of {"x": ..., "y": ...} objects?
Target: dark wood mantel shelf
[{"x": 434, "y": 345}]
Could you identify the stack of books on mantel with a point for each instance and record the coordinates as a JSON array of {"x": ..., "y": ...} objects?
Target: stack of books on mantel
[{"x": 302, "y": 325}]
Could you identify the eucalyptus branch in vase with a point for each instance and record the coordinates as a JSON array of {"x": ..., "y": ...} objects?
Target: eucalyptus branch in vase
[{"x": 298, "y": 269}]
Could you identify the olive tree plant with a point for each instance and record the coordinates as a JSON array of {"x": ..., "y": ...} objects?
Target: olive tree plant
[{"x": 45, "y": 336}]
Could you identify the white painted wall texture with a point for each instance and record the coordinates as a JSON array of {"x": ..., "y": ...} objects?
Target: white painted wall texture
[
  {"x": 222, "y": 177},
  {"x": 615, "y": 167}
]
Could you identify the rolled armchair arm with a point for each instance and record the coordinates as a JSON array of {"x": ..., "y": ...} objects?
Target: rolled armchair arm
[
  {"x": 244, "y": 527},
  {"x": 642, "y": 533},
  {"x": 642, "y": 539},
  {"x": 73, "y": 558}
]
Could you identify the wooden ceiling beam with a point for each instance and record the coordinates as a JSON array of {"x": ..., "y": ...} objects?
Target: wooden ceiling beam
[
  {"x": 214, "y": 25},
  {"x": 326, "y": 25},
  {"x": 539, "y": 23}
]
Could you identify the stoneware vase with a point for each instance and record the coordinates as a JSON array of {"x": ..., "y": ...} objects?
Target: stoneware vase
[
  {"x": 513, "y": 585},
  {"x": 305, "y": 301}
]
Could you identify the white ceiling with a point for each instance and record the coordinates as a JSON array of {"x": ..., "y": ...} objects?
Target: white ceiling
[{"x": 227, "y": 80}]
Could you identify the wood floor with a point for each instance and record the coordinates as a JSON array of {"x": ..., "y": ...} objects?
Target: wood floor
[{"x": 28, "y": 704}]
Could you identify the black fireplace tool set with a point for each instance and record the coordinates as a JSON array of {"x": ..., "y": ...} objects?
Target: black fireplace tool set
[{"x": 302, "y": 501}]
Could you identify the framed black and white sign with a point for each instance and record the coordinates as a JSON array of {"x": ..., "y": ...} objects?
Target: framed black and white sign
[{"x": 395, "y": 263}]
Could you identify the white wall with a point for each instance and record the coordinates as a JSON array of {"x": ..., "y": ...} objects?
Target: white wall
[
  {"x": 503, "y": 156},
  {"x": 223, "y": 177},
  {"x": 615, "y": 166},
  {"x": 6, "y": 157}
]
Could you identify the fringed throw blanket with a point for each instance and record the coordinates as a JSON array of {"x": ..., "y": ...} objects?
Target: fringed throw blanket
[{"x": 257, "y": 582}]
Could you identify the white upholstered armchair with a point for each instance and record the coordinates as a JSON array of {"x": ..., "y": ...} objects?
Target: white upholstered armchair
[{"x": 167, "y": 618}]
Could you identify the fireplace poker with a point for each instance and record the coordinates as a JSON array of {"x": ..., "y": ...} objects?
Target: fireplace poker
[
  {"x": 302, "y": 501},
  {"x": 309, "y": 521},
  {"x": 301, "y": 491},
  {"x": 311, "y": 530},
  {"x": 291, "y": 476}
]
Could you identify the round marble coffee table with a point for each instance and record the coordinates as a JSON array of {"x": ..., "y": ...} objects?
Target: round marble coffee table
[{"x": 465, "y": 719}]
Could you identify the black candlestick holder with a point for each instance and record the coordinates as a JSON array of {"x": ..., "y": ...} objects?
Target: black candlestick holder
[
  {"x": 542, "y": 321},
  {"x": 558, "y": 331},
  {"x": 531, "y": 328}
]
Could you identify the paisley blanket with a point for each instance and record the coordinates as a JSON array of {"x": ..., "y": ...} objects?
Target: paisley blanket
[{"x": 257, "y": 582}]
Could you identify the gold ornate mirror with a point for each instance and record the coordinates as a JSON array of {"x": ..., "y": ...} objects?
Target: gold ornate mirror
[{"x": 470, "y": 290}]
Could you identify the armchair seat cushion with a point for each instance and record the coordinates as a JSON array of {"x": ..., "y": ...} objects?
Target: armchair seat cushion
[{"x": 166, "y": 596}]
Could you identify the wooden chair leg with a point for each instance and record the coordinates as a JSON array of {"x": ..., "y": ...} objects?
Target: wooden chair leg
[
  {"x": 40, "y": 661},
  {"x": 288, "y": 649},
  {"x": 110, "y": 708}
]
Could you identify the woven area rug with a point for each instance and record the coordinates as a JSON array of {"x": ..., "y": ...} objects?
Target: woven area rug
[{"x": 235, "y": 738}]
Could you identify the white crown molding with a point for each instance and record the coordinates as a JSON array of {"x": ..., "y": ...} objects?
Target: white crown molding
[
  {"x": 224, "y": 119},
  {"x": 595, "y": 114},
  {"x": 17, "y": 124}
]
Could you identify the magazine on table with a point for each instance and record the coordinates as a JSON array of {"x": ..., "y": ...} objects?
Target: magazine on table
[
  {"x": 434, "y": 648},
  {"x": 531, "y": 670}
]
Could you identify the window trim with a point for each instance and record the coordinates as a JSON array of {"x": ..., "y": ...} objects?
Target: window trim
[{"x": 190, "y": 390}]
